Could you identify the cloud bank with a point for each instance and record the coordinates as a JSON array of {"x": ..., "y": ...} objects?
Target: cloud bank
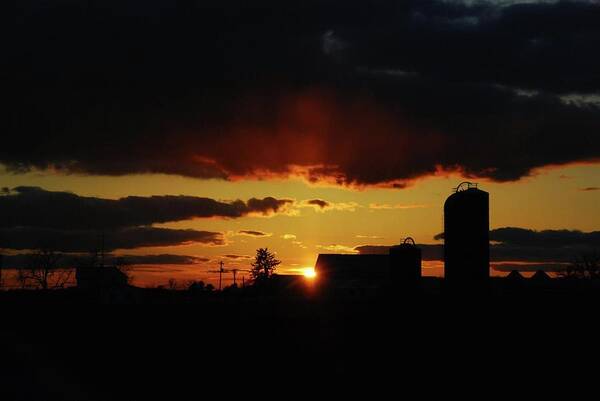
[
  {"x": 351, "y": 92},
  {"x": 33, "y": 218},
  {"x": 513, "y": 244},
  {"x": 73, "y": 260},
  {"x": 73, "y": 241},
  {"x": 36, "y": 207}
]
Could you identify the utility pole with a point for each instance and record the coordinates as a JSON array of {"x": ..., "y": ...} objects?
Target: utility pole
[
  {"x": 220, "y": 271},
  {"x": 220, "y": 274},
  {"x": 235, "y": 272},
  {"x": 102, "y": 249},
  {"x": 223, "y": 270}
]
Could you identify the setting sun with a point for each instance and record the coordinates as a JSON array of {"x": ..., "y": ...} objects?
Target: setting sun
[{"x": 309, "y": 272}]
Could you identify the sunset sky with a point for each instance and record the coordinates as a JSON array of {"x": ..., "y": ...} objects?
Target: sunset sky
[{"x": 200, "y": 131}]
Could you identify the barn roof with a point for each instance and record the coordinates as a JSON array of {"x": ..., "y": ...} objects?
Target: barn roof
[
  {"x": 352, "y": 266},
  {"x": 515, "y": 275},
  {"x": 540, "y": 275}
]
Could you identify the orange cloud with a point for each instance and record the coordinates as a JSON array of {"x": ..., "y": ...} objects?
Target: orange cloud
[{"x": 338, "y": 248}]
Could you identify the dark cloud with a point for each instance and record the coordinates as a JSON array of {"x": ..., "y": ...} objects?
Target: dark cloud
[
  {"x": 252, "y": 233},
  {"x": 74, "y": 260},
  {"x": 318, "y": 202},
  {"x": 24, "y": 238},
  {"x": 498, "y": 253},
  {"x": 350, "y": 91},
  {"x": 589, "y": 189},
  {"x": 519, "y": 244},
  {"x": 529, "y": 267},
  {"x": 35, "y": 207},
  {"x": 545, "y": 238},
  {"x": 231, "y": 256},
  {"x": 162, "y": 259}
]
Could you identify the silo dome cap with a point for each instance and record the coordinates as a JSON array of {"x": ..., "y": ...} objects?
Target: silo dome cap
[
  {"x": 408, "y": 241},
  {"x": 466, "y": 185}
]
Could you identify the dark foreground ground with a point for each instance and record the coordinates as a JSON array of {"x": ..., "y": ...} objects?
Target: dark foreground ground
[{"x": 64, "y": 346}]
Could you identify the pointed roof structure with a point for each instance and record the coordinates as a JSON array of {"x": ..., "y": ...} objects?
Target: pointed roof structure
[
  {"x": 514, "y": 275},
  {"x": 540, "y": 276}
]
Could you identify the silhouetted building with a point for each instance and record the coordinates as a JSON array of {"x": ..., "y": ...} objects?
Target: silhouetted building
[
  {"x": 405, "y": 263},
  {"x": 514, "y": 282},
  {"x": 540, "y": 276},
  {"x": 100, "y": 278},
  {"x": 352, "y": 274},
  {"x": 365, "y": 274},
  {"x": 466, "y": 236},
  {"x": 291, "y": 284},
  {"x": 515, "y": 276}
]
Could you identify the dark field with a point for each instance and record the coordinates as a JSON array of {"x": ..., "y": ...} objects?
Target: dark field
[{"x": 183, "y": 347}]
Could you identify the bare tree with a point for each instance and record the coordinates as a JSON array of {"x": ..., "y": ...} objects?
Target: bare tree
[
  {"x": 96, "y": 261},
  {"x": 1, "y": 271},
  {"x": 172, "y": 284},
  {"x": 22, "y": 279},
  {"x": 587, "y": 266},
  {"x": 124, "y": 267},
  {"x": 44, "y": 272}
]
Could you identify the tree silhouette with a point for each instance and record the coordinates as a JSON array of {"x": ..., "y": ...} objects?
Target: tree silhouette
[
  {"x": 196, "y": 286},
  {"x": 44, "y": 272},
  {"x": 97, "y": 260},
  {"x": 22, "y": 279},
  {"x": 264, "y": 265},
  {"x": 1, "y": 267},
  {"x": 172, "y": 284},
  {"x": 585, "y": 266},
  {"x": 125, "y": 267}
]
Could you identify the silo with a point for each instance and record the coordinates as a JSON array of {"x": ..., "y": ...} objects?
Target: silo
[
  {"x": 466, "y": 236},
  {"x": 405, "y": 263}
]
